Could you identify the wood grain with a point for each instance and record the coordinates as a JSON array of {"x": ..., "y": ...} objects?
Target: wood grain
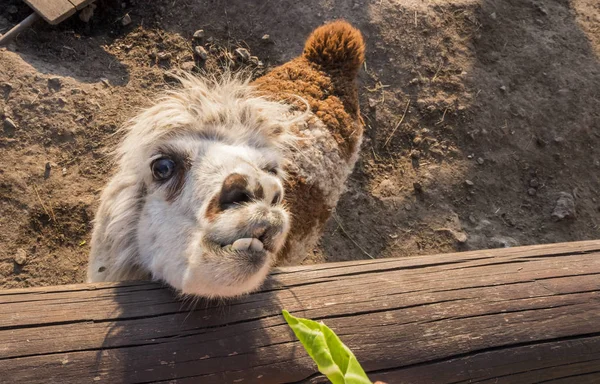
[
  {"x": 524, "y": 315},
  {"x": 55, "y": 11}
]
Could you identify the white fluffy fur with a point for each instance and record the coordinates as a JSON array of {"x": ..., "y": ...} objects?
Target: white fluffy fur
[{"x": 222, "y": 128}]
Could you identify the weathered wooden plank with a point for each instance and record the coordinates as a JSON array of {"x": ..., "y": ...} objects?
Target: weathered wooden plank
[
  {"x": 80, "y": 4},
  {"x": 513, "y": 315},
  {"x": 53, "y": 11}
]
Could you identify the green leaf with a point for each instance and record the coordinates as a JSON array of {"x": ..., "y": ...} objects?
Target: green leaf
[{"x": 333, "y": 358}]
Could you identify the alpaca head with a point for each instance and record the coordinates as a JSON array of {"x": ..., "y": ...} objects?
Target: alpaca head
[{"x": 197, "y": 201}]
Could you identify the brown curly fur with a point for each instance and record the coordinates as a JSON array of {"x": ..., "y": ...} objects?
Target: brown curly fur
[
  {"x": 325, "y": 76},
  {"x": 337, "y": 46}
]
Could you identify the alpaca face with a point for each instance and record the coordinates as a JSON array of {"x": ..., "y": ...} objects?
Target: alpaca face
[{"x": 213, "y": 218}]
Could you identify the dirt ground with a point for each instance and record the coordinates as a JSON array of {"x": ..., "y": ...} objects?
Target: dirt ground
[{"x": 480, "y": 116}]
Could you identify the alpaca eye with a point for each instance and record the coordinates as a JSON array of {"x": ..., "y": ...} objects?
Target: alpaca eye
[{"x": 162, "y": 168}]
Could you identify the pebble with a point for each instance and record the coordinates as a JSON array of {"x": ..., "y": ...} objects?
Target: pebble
[
  {"x": 20, "y": 257},
  {"x": 64, "y": 171},
  {"x": 188, "y": 66},
  {"x": 532, "y": 191},
  {"x": 459, "y": 236},
  {"x": 469, "y": 183},
  {"x": 502, "y": 242},
  {"x": 87, "y": 13},
  {"x": 565, "y": 207},
  {"x": 126, "y": 20},
  {"x": 164, "y": 56},
  {"x": 54, "y": 83},
  {"x": 480, "y": 161},
  {"x": 534, "y": 183},
  {"x": 201, "y": 52},
  {"x": 9, "y": 125},
  {"x": 372, "y": 102},
  {"x": 199, "y": 35},
  {"x": 47, "y": 170},
  {"x": 266, "y": 37},
  {"x": 493, "y": 15},
  {"x": 503, "y": 88},
  {"x": 470, "y": 156},
  {"x": 242, "y": 54}
]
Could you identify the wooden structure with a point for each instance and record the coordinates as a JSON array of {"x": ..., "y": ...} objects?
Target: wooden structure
[
  {"x": 53, "y": 11},
  {"x": 516, "y": 315}
]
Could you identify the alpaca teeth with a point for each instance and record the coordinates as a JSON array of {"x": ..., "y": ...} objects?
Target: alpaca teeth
[
  {"x": 241, "y": 244},
  {"x": 256, "y": 245}
]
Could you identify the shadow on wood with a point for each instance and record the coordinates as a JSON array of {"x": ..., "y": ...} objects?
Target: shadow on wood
[{"x": 528, "y": 314}]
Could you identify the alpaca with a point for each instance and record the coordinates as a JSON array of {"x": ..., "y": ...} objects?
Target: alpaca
[{"x": 221, "y": 180}]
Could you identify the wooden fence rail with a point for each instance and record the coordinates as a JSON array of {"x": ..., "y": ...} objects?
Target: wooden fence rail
[{"x": 516, "y": 315}]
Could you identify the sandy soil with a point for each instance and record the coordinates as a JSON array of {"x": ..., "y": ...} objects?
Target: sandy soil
[{"x": 480, "y": 114}]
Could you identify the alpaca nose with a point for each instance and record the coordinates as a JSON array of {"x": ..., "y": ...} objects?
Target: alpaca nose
[{"x": 234, "y": 191}]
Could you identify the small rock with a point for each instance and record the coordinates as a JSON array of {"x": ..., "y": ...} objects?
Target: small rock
[
  {"x": 170, "y": 77},
  {"x": 503, "y": 88},
  {"x": 64, "y": 171},
  {"x": 470, "y": 156},
  {"x": 531, "y": 191},
  {"x": 105, "y": 82},
  {"x": 188, "y": 66},
  {"x": 502, "y": 242},
  {"x": 480, "y": 161},
  {"x": 534, "y": 183},
  {"x": 199, "y": 35},
  {"x": 12, "y": 9},
  {"x": 266, "y": 37},
  {"x": 408, "y": 207},
  {"x": 20, "y": 257},
  {"x": 414, "y": 81},
  {"x": 54, "y": 83},
  {"x": 164, "y": 56},
  {"x": 9, "y": 125},
  {"x": 565, "y": 207},
  {"x": 47, "y": 170},
  {"x": 242, "y": 54},
  {"x": 201, "y": 52},
  {"x": 86, "y": 13},
  {"x": 126, "y": 20},
  {"x": 493, "y": 16},
  {"x": 469, "y": 183},
  {"x": 373, "y": 103},
  {"x": 459, "y": 236}
]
